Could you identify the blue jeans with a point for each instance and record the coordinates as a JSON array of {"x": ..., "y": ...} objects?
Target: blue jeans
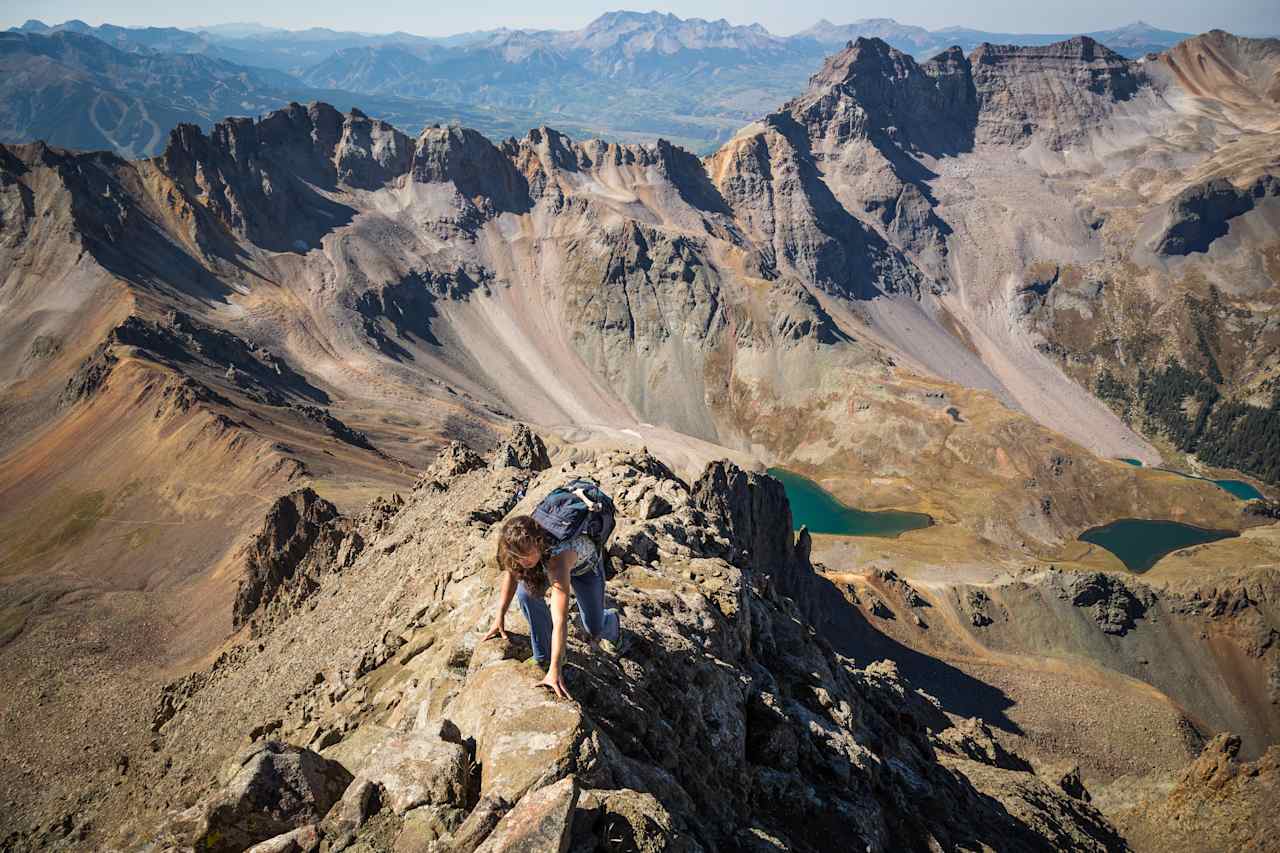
[{"x": 588, "y": 589}]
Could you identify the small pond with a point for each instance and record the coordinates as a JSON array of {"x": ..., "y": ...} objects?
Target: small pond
[
  {"x": 1237, "y": 488},
  {"x": 817, "y": 509},
  {"x": 1140, "y": 542},
  {"x": 1242, "y": 490}
]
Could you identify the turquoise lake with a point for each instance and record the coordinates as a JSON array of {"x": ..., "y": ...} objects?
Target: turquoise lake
[
  {"x": 1244, "y": 491},
  {"x": 817, "y": 509},
  {"x": 1237, "y": 488},
  {"x": 1140, "y": 543}
]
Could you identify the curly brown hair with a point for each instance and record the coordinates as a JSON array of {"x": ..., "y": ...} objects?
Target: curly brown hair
[{"x": 522, "y": 535}]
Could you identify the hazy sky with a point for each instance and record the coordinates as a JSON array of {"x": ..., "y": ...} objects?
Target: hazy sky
[{"x": 1244, "y": 17}]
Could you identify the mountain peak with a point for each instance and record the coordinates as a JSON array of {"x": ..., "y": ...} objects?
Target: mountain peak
[
  {"x": 863, "y": 55},
  {"x": 625, "y": 15},
  {"x": 1079, "y": 48},
  {"x": 949, "y": 103}
]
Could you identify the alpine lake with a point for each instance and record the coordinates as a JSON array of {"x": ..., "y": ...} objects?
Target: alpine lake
[
  {"x": 1236, "y": 488},
  {"x": 1139, "y": 543},
  {"x": 817, "y": 509}
]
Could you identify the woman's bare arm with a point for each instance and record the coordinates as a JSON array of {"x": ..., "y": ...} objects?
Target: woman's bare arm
[
  {"x": 506, "y": 592},
  {"x": 558, "y": 574}
]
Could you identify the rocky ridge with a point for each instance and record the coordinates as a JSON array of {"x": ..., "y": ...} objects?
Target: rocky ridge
[
  {"x": 1218, "y": 801},
  {"x": 784, "y": 744},
  {"x": 833, "y": 198}
]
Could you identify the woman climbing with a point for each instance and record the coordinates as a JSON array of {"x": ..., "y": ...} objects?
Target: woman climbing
[{"x": 533, "y": 558}]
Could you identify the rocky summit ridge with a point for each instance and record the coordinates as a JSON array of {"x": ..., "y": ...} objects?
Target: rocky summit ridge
[{"x": 361, "y": 710}]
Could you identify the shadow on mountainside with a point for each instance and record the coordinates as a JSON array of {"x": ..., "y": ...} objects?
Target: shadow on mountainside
[
  {"x": 692, "y": 181},
  {"x": 849, "y": 632},
  {"x": 120, "y": 231},
  {"x": 409, "y": 306},
  {"x": 855, "y": 259}
]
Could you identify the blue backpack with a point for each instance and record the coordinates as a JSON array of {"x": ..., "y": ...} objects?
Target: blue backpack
[{"x": 579, "y": 506}]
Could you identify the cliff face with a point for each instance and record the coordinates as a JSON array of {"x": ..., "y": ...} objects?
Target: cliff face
[
  {"x": 264, "y": 180},
  {"x": 873, "y": 116},
  {"x": 999, "y": 94},
  {"x": 728, "y": 723},
  {"x": 869, "y": 89},
  {"x": 1055, "y": 94}
]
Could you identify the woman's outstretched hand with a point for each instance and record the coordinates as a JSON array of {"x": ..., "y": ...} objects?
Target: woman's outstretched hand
[
  {"x": 498, "y": 630},
  {"x": 555, "y": 681}
]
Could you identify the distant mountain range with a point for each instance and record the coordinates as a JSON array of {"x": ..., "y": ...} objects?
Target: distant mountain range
[
  {"x": 626, "y": 75},
  {"x": 1132, "y": 41},
  {"x": 631, "y": 33},
  {"x": 78, "y": 91}
]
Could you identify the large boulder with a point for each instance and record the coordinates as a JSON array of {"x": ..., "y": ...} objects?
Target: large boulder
[
  {"x": 523, "y": 449},
  {"x": 418, "y": 769},
  {"x": 479, "y": 824},
  {"x": 628, "y": 820},
  {"x": 424, "y": 828},
  {"x": 454, "y": 459},
  {"x": 270, "y": 558},
  {"x": 304, "y": 839},
  {"x": 524, "y": 736},
  {"x": 360, "y": 800},
  {"x": 540, "y": 823},
  {"x": 273, "y": 789}
]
